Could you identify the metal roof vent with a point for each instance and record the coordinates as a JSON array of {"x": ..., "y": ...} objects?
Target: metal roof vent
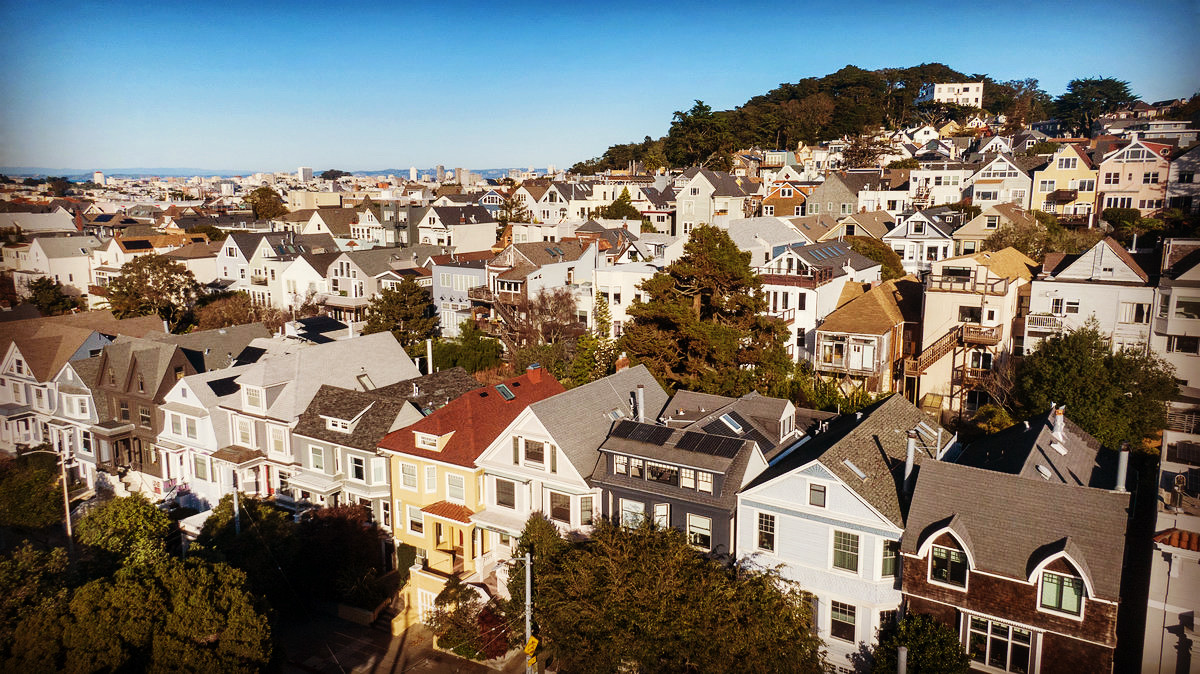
[{"x": 1044, "y": 471}]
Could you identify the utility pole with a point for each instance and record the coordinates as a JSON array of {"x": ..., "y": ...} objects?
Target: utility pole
[
  {"x": 528, "y": 604},
  {"x": 62, "y": 462},
  {"x": 237, "y": 507}
]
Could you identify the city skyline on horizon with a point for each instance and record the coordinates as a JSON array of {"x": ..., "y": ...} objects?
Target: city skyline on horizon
[{"x": 273, "y": 87}]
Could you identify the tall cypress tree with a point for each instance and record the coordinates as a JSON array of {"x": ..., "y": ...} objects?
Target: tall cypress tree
[{"x": 703, "y": 325}]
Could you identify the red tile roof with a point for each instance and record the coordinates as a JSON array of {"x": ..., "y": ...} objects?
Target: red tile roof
[
  {"x": 475, "y": 418},
  {"x": 450, "y": 511},
  {"x": 1179, "y": 538}
]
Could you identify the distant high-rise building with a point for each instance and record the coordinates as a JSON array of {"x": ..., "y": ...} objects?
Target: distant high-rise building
[
  {"x": 98, "y": 177},
  {"x": 412, "y": 173},
  {"x": 440, "y": 173},
  {"x": 305, "y": 173},
  {"x": 551, "y": 169}
]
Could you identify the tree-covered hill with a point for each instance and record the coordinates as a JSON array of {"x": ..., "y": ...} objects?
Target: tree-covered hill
[{"x": 817, "y": 109}]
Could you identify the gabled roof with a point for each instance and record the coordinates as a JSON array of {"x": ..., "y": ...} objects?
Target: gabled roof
[
  {"x": 813, "y": 226},
  {"x": 56, "y": 247},
  {"x": 1057, "y": 263},
  {"x": 724, "y": 185},
  {"x": 217, "y": 348},
  {"x": 46, "y": 343},
  {"x": 833, "y": 254},
  {"x": 875, "y": 223},
  {"x": 875, "y": 442},
  {"x": 579, "y": 419},
  {"x": 1017, "y": 523},
  {"x": 1008, "y": 263},
  {"x": 432, "y": 391},
  {"x": 696, "y": 448},
  {"x": 338, "y": 220},
  {"x": 1076, "y": 458},
  {"x": 879, "y": 309},
  {"x": 473, "y": 420},
  {"x": 374, "y": 414},
  {"x": 755, "y": 417}
]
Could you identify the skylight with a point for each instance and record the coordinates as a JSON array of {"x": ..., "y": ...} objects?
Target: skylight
[
  {"x": 733, "y": 425},
  {"x": 857, "y": 471},
  {"x": 505, "y": 391}
]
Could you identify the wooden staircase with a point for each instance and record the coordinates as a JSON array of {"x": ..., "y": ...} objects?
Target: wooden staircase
[{"x": 914, "y": 367}]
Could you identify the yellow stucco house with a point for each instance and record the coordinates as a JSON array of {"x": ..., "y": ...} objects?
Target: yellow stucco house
[
  {"x": 436, "y": 486},
  {"x": 1066, "y": 186}
]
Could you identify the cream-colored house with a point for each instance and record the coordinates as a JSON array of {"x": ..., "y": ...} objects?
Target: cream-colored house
[
  {"x": 1066, "y": 186},
  {"x": 436, "y": 486},
  {"x": 969, "y": 238},
  {"x": 970, "y": 304},
  {"x": 1134, "y": 176}
]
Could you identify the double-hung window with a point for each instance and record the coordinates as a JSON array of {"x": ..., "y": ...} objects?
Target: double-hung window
[
  {"x": 632, "y": 512},
  {"x": 766, "y": 532},
  {"x": 317, "y": 457},
  {"x": 408, "y": 476},
  {"x": 841, "y": 621},
  {"x": 816, "y": 495},
  {"x": 358, "y": 468},
  {"x": 662, "y": 515},
  {"x": 430, "y": 479},
  {"x": 845, "y": 551},
  {"x": 705, "y": 482},
  {"x": 456, "y": 488},
  {"x": 416, "y": 520},
  {"x": 699, "y": 531},
  {"x": 506, "y": 493},
  {"x": 1062, "y": 593},
  {"x": 891, "y": 553},
  {"x": 949, "y": 566}
]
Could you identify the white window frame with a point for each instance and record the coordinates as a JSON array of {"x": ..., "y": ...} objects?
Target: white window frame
[
  {"x": 409, "y": 518},
  {"x": 450, "y": 479},
  {"x": 316, "y": 452},
  {"x": 662, "y": 515},
  {"x": 430, "y": 479},
  {"x": 628, "y": 508},
  {"x": 858, "y": 552},
  {"x": 692, "y": 521},
  {"x": 403, "y": 476}
]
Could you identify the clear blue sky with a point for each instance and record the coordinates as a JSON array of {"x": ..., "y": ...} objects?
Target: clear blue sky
[{"x": 271, "y": 86}]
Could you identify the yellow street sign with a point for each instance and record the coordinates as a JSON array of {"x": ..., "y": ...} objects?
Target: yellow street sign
[
  {"x": 532, "y": 661},
  {"x": 531, "y": 646}
]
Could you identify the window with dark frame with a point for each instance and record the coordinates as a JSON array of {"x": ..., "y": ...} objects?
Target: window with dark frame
[
  {"x": 949, "y": 566},
  {"x": 816, "y": 495}
]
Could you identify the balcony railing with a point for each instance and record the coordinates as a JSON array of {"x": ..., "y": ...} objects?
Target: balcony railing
[
  {"x": 982, "y": 334},
  {"x": 1184, "y": 421},
  {"x": 809, "y": 278},
  {"x": 1044, "y": 323},
  {"x": 966, "y": 284}
]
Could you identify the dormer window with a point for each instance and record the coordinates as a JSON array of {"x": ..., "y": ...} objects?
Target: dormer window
[
  {"x": 948, "y": 566},
  {"x": 340, "y": 425},
  {"x": 141, "y": 383},
  {"x": 254, "y": 398},
  {"x": 1062, "y": 592},
  {"x": 426, "y": 441}
]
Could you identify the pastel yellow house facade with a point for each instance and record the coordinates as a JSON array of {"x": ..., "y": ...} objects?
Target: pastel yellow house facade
[
  {"x": 436, "y": 486},
  {"x": 1066, "y": 186}
]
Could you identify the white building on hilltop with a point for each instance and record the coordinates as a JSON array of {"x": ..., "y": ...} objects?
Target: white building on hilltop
[{"x": 959, "y": 93}]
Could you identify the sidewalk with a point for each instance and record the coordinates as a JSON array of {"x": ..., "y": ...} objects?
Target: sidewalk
[{"x": 329, "y": 645}]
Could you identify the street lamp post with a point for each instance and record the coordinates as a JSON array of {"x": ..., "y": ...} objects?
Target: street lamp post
[{"x": 62, "y": 464}]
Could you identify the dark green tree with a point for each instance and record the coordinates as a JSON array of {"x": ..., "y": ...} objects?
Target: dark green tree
[
  {"x": 698, "y": 137},
  {"x": 865, "y": 150},
  {"x": 405, "y": 310},
  {"x": 471, "y": 350},
  {"x": 595, "y": 350},
  {"x": 1087, "y": 98},
  {"x": 30, "y": 492},
  {"x": 703, "y": 325},
  {"x": 621, "y": 208},
  {"x": 512, "y": 210},
  {"x": 467, "y": 625},
  {"x": 1041, "y": 147},
  {"x": 129, "y": 529},
  {"x": 1117, "y": 397},
  {"x": 33, "y": 595},
  {"x": 265, "y": 550},
  {"x": 642, "y": 599},
  {"x": 891, "y": 264},
  {"x": 933, "y": 647},
  {"x": 166, "y": 616},
  {"x": 47, "y": 294},
  {"x": 213, "y": 232},
  {"x": 266, "y": 203},
  {"x": 59, "y": 186},
  {"x": 909, "y": 163},
  {"x": 333, "y": 174},
  {"x": 154, "y": 284},
  {"x": 340, "y": 557}
]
